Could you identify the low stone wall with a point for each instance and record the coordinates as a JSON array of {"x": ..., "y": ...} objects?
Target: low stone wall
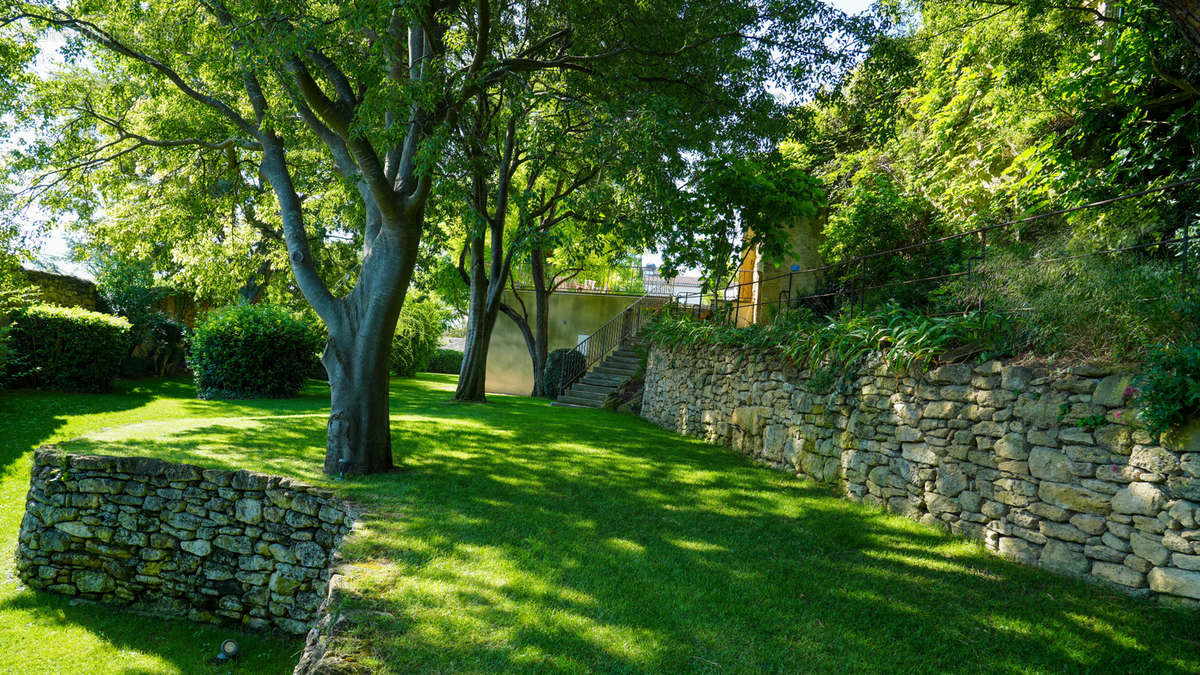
[
  {"x": 1046, "y": 468},
  {"x": 63, "y": 289},
  {"x": 232, "y": 547}
]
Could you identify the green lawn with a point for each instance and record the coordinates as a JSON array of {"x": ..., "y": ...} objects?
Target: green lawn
[{"x": 521, "y": 537}]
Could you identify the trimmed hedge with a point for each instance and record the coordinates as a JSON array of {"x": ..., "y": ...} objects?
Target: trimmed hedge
[
  {"x": 447, "y": 361},
  {"x": 66, "y": 348},
  {"x": 252, "y": 351},
  {"x": 555, "y": 361}
]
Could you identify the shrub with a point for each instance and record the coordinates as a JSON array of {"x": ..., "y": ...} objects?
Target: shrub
[
  {"x": 66, "y": 348},
  {"x": 249, "y": 351},
  {"x": 1170, "y": 387},
  {"x": 447, "y": 361},
  {"x": 558, "y": 360},
  {"x": 129, "y": 289},
  {"x": 418, "y": 335},
  {"x": 833, "y": 347},
  {"x": 1065, "y": 303}
]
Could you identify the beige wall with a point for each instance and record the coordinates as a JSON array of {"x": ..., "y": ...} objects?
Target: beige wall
[
  {"x": 510, "y": 370},
  {"x": 758, "y": 303}
]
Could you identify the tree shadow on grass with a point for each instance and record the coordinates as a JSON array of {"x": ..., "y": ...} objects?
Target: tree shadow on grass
[
  {"x": 523, "y": 537},
  {"x": 28, "y": 418},
  {"x": 189, "y": 647}
]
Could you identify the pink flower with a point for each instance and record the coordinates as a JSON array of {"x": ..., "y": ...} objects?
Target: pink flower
[{"x": 1117, "y": 413}]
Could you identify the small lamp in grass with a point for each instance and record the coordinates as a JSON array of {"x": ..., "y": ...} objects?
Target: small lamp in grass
[{"x": 229, "y": 651}]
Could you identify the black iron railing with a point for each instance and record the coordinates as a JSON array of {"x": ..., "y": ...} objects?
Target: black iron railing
[{"x": 604, "y": 341}]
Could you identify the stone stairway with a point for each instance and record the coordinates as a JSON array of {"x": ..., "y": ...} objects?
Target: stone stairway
[{"x": 592, "y": 390}]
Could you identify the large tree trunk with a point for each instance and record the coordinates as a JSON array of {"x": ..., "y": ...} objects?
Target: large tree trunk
[
  {"x": 356, "y": 359},
  {"x": 359, "y": 433}
]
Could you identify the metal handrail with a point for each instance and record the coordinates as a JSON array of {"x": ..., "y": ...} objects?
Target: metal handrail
[{"x": 602, "y": 342}]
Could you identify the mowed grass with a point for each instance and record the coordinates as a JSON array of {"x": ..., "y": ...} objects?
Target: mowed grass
[
  {"x": 521, "y": 537},
  {"x": 46, "y": 633}
]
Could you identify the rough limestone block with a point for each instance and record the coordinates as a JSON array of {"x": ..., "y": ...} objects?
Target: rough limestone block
[
  {"x": 1141, "y": 498},
  {"x": 1175, "y": 582}
]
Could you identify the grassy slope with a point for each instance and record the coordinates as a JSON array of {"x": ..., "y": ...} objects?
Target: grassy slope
[
  {"x": 44, "y": 633},
  {"x": 524, "y": 537}
]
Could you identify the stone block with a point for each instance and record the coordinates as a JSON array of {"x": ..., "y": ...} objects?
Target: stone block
[
  {"x": 1175, "y": 582},
  {"x": 1011, "y": 446},
  {"x": 1149, "y": 547},
  {"x": 1118, "y": 574},
  {"x": 1074, "y": 498},
  {"x": 1064, "y": 558},
  {"x": 1140, "y": 498},
  {"x": 1018, "y": 550}
]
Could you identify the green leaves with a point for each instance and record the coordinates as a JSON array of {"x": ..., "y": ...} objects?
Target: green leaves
[
  {"x": 252, "y": 351},
  {"x": 737, "y": 203},
  {"x": 833, "y": 348},
  {"x": 1169, "y": 387},
  {"x": 66, "y": 348}
]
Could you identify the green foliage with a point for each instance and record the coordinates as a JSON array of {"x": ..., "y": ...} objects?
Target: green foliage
[
  {"x": 1169, "y": 387},
  {"x": 66, "y": 348},
  {"x": 833, "y": 348},
  {"x": 129, "y": 289},
  {"x": 557, "y": 361},
  {"x": 251, "y": 351},
  {"x": 1111, "y": 306},
  {"x": 972, "y": 114},
  {"x": 418, "y": 336},
  {"x": 735, "y": 204},
  {"x": 448, "y": 361}
]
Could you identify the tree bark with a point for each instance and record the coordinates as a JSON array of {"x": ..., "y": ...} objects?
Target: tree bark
[
  {"x": 482, "y": 312},
  {"x": 541, "y": 318},
  {"x": 1186, "y": 14},
  {"x": 356, "y": 359}
]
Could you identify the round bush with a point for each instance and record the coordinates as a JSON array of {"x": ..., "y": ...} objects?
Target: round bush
[
  {"x": 251, "y": 351},
  {"x": 447, "y": 361},
  {"x": 571, "y": 359},
  {"x": 66, "y": 348}
]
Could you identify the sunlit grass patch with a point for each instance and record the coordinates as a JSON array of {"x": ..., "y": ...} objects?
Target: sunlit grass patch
[{"x": 520, "y": 537}]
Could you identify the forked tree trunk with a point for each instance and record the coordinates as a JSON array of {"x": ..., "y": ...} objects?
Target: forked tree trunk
[
  {"x": 537, "y": 337},
  {"x": 356, "y": 359}
]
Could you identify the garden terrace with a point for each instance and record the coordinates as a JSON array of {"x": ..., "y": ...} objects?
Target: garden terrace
[{"x": 522, "y": 537}]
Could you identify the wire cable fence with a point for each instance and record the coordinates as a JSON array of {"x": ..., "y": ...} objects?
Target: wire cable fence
[{"x": 916, "y": 275}]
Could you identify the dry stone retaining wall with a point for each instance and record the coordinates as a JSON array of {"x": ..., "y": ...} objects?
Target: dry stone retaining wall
[
  {"x": 232, "y": 547},
  {"x": 1046, "y": 468}
]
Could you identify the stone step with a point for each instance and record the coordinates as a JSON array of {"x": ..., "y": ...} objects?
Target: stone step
[
  {"x": 580, "y": 401},
  {"x": 582, "y": 387},
  {"x": 602, "y": 380},
  {"x": 619, "y": 370}
]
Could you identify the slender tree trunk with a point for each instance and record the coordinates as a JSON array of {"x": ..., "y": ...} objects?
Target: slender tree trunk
[
  {"x": 482, "y": 313},
  {"x": 541, "y": 339}
]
